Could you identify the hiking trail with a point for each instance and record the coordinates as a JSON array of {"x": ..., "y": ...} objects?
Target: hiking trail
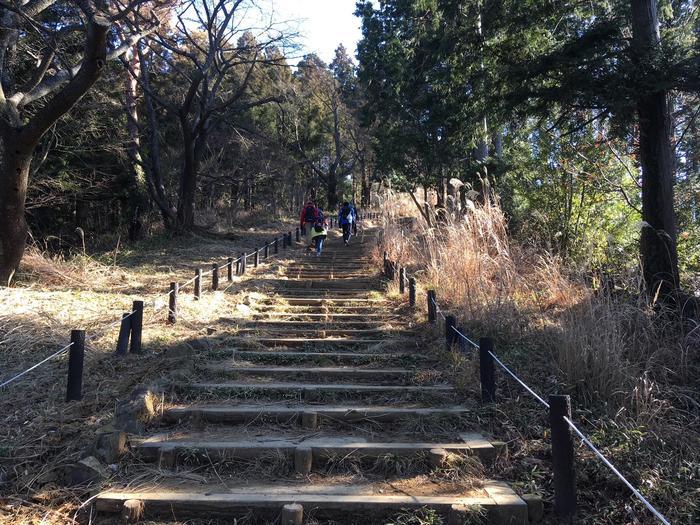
[{"x": 322, "y": 402}]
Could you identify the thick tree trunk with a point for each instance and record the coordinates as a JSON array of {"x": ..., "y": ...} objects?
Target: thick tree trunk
[
  {"x": 366, "y": 188},
  {"x": 14, "y": 176},
  {"x": 658, "y": 238}
]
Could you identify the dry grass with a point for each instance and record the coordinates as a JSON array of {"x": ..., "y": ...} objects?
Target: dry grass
[
  {"x": 39, "y": 433},
  {"x": 629, "y": 368}
]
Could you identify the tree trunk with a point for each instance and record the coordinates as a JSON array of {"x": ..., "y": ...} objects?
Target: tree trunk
[
  {"x": 156, "y": 187},
  {"x": 138, "y": 187},
  {"x": 188, "y": 183},
  {"x": 332, "y": 186},
  {"x": 13, "y": 192},
  {"x": 658, "y": 238},
  {"x": 366, "y": 187}
]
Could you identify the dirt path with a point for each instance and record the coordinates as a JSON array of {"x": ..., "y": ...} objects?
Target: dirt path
[{"x": 316, "y": 402}]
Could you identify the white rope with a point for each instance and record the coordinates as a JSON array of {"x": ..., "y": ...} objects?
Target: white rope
[
  {"x": 535, "y": 395},
  {"x": 600, "y": 455},
  {"x": 15, "y": 378},
  {"x": 437, "y": 309},
  {"x": 475, "y": 345}
]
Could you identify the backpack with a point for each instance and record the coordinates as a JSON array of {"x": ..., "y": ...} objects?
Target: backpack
[
  {"x": 318, "y": 228},
  {"x": 345, "y": 212},
  {"x": 310, "y": 214}
]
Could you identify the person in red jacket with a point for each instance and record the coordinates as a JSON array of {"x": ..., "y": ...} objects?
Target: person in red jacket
[{"x": 307, "y": 219}]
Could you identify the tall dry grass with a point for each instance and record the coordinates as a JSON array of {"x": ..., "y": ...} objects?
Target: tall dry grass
[{"x": 613, "y": 352}]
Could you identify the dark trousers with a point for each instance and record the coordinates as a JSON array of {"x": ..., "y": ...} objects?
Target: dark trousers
[{"x": 347, "y": 229}]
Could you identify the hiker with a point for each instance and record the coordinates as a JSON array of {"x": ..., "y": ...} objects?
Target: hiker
[
  {"x": 318, "y": 235},
  {"x": 354, "y": 214},
  {"x": 307, "y": 219},
  {"x": 346, "y": 218}
]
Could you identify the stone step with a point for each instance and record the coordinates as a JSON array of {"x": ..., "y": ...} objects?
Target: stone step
[
  {"x": 168, "y": 450},
  {"x": 280, "y": 357},
  {"x": 367, "y": 503},
  {"x": 243, "y": 413},
  {"x": 380, "y": 375}
]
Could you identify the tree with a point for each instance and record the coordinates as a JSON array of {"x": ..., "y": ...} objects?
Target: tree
[
  {"x": 212, "y": 57},
  {"x": 71, "y": 43}
]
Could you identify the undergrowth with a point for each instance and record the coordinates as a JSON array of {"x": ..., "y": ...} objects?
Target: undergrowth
[{"x": 631, "y": 368}]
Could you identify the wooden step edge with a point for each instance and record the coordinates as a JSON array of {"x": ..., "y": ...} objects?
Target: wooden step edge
[{"x": 501, "y": 504}]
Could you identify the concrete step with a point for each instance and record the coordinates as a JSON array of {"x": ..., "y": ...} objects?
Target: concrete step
[
  {"x": 367, "y": 503},
  {"x": 378, "y": 375},
  {"x": 247, "y": 413},
  {"x": 168, "y": 450}
]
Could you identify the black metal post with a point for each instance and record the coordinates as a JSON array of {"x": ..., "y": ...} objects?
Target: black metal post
[
  {"x": 172, "y": 303},
  {"x": 487, "y": 371},
  {"x": 76, "y": 357},
  {"x": 244, "y": 262},
  {"x": 256, "y": 257},
  {"x": 562, "y": 456}
]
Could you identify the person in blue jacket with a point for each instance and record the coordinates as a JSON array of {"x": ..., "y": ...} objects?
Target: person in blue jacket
[{"x": 346, "y": 218}]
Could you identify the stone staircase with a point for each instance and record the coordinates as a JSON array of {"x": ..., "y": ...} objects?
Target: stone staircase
[{"x": 325, "y": 407}]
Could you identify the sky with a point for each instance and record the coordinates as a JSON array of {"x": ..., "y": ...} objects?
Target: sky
[{"x": 323, "y": 24}]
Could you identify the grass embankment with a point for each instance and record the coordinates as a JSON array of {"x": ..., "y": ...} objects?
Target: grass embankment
[
  {"x": 631, "y": 370},
  {"x": 39, "y": 432}
]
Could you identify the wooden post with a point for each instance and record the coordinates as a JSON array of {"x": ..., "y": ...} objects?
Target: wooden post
[
  {"x": 487, "y": 372},
  {"x": 386, "y": 258},
  {"x": 136, "y": 327},
  {"x": 124, "y": 330},
  {"x": 244, "y": 262},
  {"x": 562, "y": 456},
  {"x": 256, "y": 257},
  {"x": 450, "y": 334},
  {"x": 172, "y": 303},
  {"x": 412, "y": 292},
  {"x": 432, "y": 311},
  {"x": 214, "y": 277},
  {"x": 298, "y": 235},
  {"x": 229, "y": 269},
  {"x": 276, "y": 245},
  {"x": 238, "y": 264},
  {"x": 76, "y": 357},
  {"x": 402, "y": 280},
  {"x": 197, "y": 284},
  {"x": 289, "y": 239}
]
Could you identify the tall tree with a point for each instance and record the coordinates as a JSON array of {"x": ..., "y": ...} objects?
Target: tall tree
[{"x": 51, "y": 53}]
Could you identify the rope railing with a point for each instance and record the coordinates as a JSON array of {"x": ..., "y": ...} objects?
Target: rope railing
[
  {"x": 565, "y": 492},
  {"x": 131, "y": 323}
]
